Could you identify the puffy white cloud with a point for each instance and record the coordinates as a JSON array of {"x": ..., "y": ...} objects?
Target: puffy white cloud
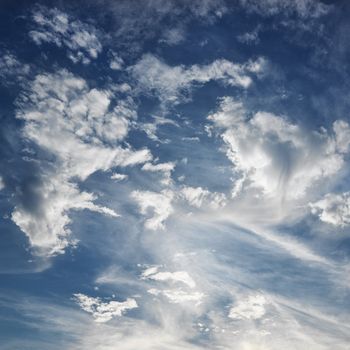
[
  {"x": 77, "y": 126},
  {"x": 119, "y": 177},
  {"x": 275, "y": 156},
  {"x": 198, "y": 197},
  {"x": 333, "y": 209},
  {"x": 104, "y": 311},
  {"x": 159, "y": 203},
  {"x": 172, "y": 83},
  {"x": 177, "y": 276},
  {"x": 56, "y": 27},
  {"x": 164, "y": 168},
  {"x": 249, "y": 308}
]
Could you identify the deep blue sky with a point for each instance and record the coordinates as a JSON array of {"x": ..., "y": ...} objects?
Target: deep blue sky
[{"x": 174, "y": 175}]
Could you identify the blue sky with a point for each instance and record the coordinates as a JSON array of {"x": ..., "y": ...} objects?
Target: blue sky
[{"x": 174, "y": 175}]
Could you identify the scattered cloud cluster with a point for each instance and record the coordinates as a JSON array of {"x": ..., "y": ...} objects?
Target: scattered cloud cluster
[
  {"x": 333, "y": 209},
  {"x": 173, "y": 83},
  {"x": 56, "y": 27},
  {"x": 182, "y": 284},
  {"x": 11, "y": 69},
  {"x": 198, "y": 197},
  {"x": 104, "y": 311},
  {"x": 219, "y": 277},
  {"x": 302, "y": 8},
  {"x": 161, "y": 204},
  {"x": 77, "y": 126}
]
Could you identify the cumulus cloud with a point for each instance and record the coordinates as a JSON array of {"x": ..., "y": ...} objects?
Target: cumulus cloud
[
  {"x": 333, "y": 209},
  {"x": 160, "y": 205},
  {"x": 79, "y": 128},
  {"x": 104, "y": 311},
  {"x": 56, "y": 27},
  {"x": 275, "y": 156},
  {"x": 172, "y": 83},
  {"x": 198, "y": 197}
]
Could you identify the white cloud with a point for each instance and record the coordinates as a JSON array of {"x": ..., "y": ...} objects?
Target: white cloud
[
  {"x": 249, "y": 308},
  {"x": 164, "y": 168},
  {"x": 151, "y": 128},
  {"x": 179, "y": 296},
  {"x": 159, "y": 203},
  {"x": 333, "y": 209},
  {"x": 2, "y": 185},
  {"x": 104, "y": 311},
  {"x": 177, "y": 276},
  {"x": 47, "y": 227},
  {"x": 173, "y": 83},
  {"x": 116, "y": 62},
  {"x": 250, "y": 37},
  {"x": 11, "y": 69},
  {"x": 77, "y": 126},
  {"x": 197, "y": 197},
  {"x": 275, "y": 156},
  {"x": 119, "y": 177},
  {"x": 173, "y": 36},
  {"x": 303, "y": 8},
  {"x": 56, "y": 27},
  {"x": 342, "y": 135}
]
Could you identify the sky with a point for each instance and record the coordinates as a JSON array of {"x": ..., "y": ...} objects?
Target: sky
[{"x": 174, "y": 175}]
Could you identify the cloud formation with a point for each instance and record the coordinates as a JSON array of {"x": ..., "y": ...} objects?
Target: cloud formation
[
  {"x": 333, "y": 209},
  {"x": 56, "y": 27},
  {"x": 172, "y": 84},
  {"x": 160, "y": 205},
  {"x": 77, "y": 126},
  {"x": 198, "y": 197},
  {"x": 275, "y": 156},
  {"x": 250, "y": 308},
  {"x": 104, "y": 311}
]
